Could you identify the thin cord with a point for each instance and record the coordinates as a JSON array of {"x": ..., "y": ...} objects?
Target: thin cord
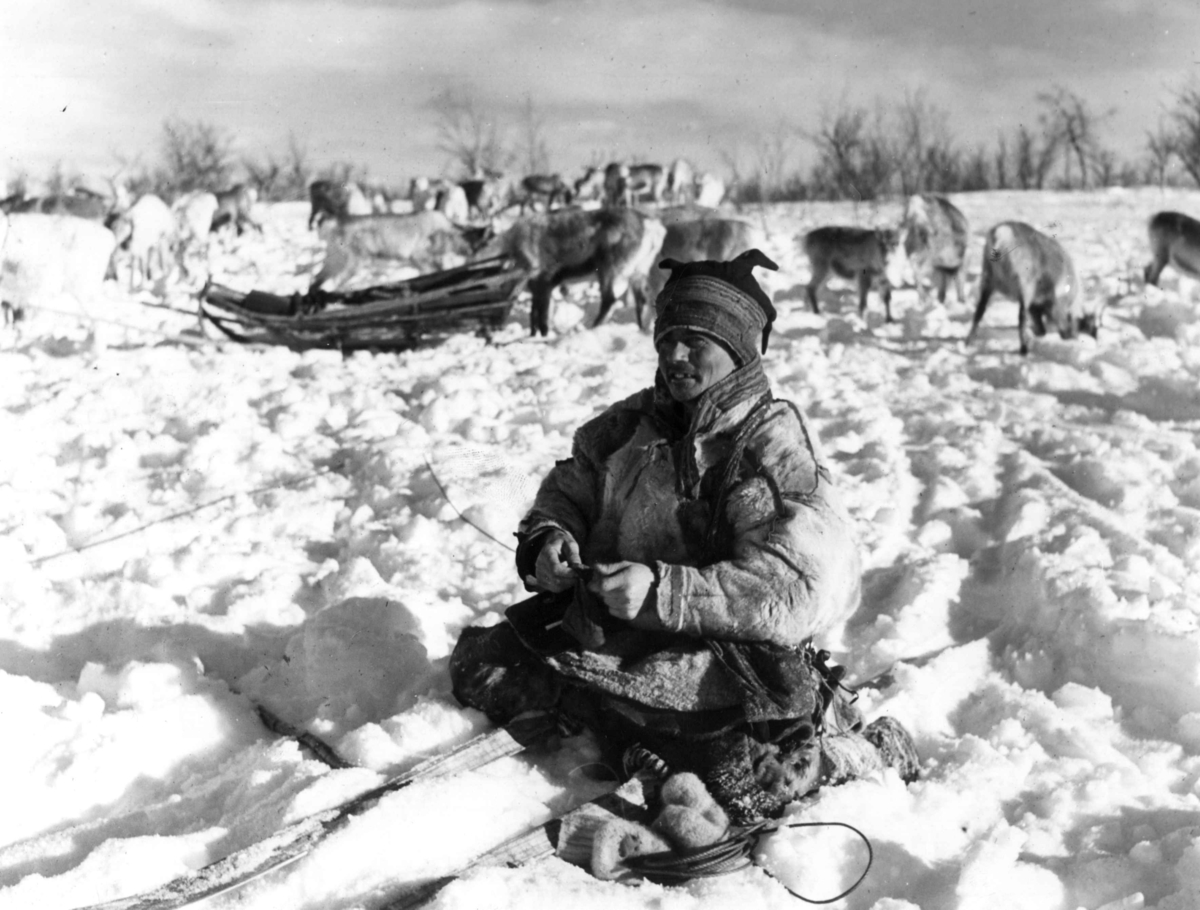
[
  {"x": 184, "y": 513},
  {"x": 80, "y": 317},
  {"x": 446, "y": 497}
]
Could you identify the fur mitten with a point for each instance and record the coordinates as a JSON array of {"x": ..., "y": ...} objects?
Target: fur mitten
[
  {"x": 618, "y": 840},
  {"x": 690, "y": 816}
]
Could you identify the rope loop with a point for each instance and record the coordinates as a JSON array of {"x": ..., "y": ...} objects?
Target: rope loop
[{"x": 732, "y": 854}]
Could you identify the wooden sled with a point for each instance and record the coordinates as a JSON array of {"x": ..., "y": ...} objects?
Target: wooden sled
[{"x": 399, "y": 316}]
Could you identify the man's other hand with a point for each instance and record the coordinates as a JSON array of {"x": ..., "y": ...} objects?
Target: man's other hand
[{"x": 624, "y": 588}]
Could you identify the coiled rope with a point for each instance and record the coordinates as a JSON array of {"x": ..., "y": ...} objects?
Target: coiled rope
[{"x": 732, "y": 854}]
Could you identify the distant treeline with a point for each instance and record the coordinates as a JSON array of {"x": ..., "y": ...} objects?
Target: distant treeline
[
  {"x": 861, "y": 153},
  {"x": 873, "y": 152}
]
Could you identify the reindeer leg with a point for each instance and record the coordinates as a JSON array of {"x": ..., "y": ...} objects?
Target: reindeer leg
[
  {"x": 607, "y": 299},
  {"x": 865, "y": 279},
  {"x": 539, "y": 307},
  {"x": 814, "y": 284},
  {"x": 985, "y": 294}
]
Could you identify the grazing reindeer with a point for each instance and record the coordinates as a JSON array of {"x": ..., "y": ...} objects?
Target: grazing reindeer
[
  {"x": 193, "y": 217},
  {"x": 1174, "y": 240},
  {"x": 148, "y": 231},
  {"x": 681, "y": 182},
  {"x": 850, "y": 252},
  {"x": 1033, "y": 269},
  {"x": 547, "y": 187},
  {"x": 423, "y": 238},
  {"x": 335, "y": 200},
  {"x": 236, "y": 206},
  {"x": 486, "y": 195},
  {"x": 627, "y": 184},
  {"x": 590, "y": 187},
  {"x": 935, "y": 241},
  {"x": 700, "y": 238},
  {"x": 615, "y": 245},
  {"x": 710, "y": 190}
]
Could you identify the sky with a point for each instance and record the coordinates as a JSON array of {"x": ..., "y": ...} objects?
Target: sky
[{"x": 90, "y": 85}]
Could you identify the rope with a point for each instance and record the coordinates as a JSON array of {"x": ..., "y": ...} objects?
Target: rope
[
  {"x": 732, "y": 855},
  {"x": 446, "y": 496},
  {"x": 183, "y": 513},
  {"x": 84, "y": 318}
]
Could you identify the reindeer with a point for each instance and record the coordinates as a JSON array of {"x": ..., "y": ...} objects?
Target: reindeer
[
  {"x": 617, "y": 246},
  {"x": 851, "y": 252},
  {"x": 1033, "y": 269},
  {"x": 935, "y": 241},
  {"x": 236, "y": 206},
  {"x": 330, "y": 199},
  {"x": 699, "y": 238},
  {"x": 1174, "y": 240},
  {"x": 548, "y": 187}
]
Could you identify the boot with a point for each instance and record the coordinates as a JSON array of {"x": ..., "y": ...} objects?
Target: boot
[
  {"x": 883, "y": 743},
  {"x": 896, "y": 747}
]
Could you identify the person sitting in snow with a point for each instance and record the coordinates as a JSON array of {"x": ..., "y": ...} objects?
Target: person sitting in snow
[{"x": 687, "y": 555}]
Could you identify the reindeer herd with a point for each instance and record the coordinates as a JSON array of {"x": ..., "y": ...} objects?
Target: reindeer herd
[
  {"x": 1020, "y": 262},
  {"x": 613, "y": 224}
]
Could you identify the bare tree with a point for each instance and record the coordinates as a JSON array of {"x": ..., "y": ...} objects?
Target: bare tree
[
  {"x": 925, "y": 155},
  {"x": 1000, "y": 162},
  {"x": 1034, "y": 157},
  {"x": 1186, "y": 116},
  {"x": 1160, "y": 147},
  {"x": 533, "y": 153},
  {"x": 196, "y": 155},
  {"x": 60, "y": 180},
  {"x": 733, "y": 162},
  {"x": 854, "y": 157},
  {"x": 1073, "y": 124},
  {"x": 975, "y": 172},
  {"x": 1106, "y": 168},
  {"x": 284, "y": 176},
  {"x": 468, "y": 134},
  {"x": 771, "y": 157}
]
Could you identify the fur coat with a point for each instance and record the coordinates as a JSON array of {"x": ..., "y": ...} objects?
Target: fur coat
[{"x": 737, "y": 515}]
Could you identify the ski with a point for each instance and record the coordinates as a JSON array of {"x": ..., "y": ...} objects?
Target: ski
[
  {"x": 298, "y": 839},
  {"x": 557, "y": 836}
]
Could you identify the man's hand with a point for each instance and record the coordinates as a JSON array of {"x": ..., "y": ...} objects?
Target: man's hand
[
  {"x": 624, "y": 587},
  {"x": 555, "y": 563}
]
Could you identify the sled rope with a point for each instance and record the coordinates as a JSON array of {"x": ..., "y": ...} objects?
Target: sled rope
[
  {"x": 183, "y": 513},
  {"x": 732, "y": 855},
  {"x": 277, "y": 485},
  {"x": 446, "y": 496},
  {"x": 86, "y": 318}
]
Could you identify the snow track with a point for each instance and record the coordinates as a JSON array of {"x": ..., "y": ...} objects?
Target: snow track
[{"x": 179, "y": 522}]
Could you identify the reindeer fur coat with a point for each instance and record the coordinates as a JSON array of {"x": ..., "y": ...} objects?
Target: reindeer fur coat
[{"x": 738, "y": 517}]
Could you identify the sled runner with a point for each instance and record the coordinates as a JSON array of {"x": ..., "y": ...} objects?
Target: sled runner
[{"x": 396, "y": 316}]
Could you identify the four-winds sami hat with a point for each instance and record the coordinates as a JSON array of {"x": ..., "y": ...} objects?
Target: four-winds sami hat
[{"x": 721, "y": 299}]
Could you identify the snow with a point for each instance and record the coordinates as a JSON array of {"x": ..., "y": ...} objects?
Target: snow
[{"x": 189, "y": 526}]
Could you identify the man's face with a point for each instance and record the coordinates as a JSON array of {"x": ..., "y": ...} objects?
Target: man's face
[{"x": 692, "y": 362}]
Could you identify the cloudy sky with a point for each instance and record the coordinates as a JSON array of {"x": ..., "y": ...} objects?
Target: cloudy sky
[{"x": 89, "y": 83}]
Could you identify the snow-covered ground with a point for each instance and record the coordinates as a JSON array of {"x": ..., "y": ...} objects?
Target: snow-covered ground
[{"x": 189, "y": 526}]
